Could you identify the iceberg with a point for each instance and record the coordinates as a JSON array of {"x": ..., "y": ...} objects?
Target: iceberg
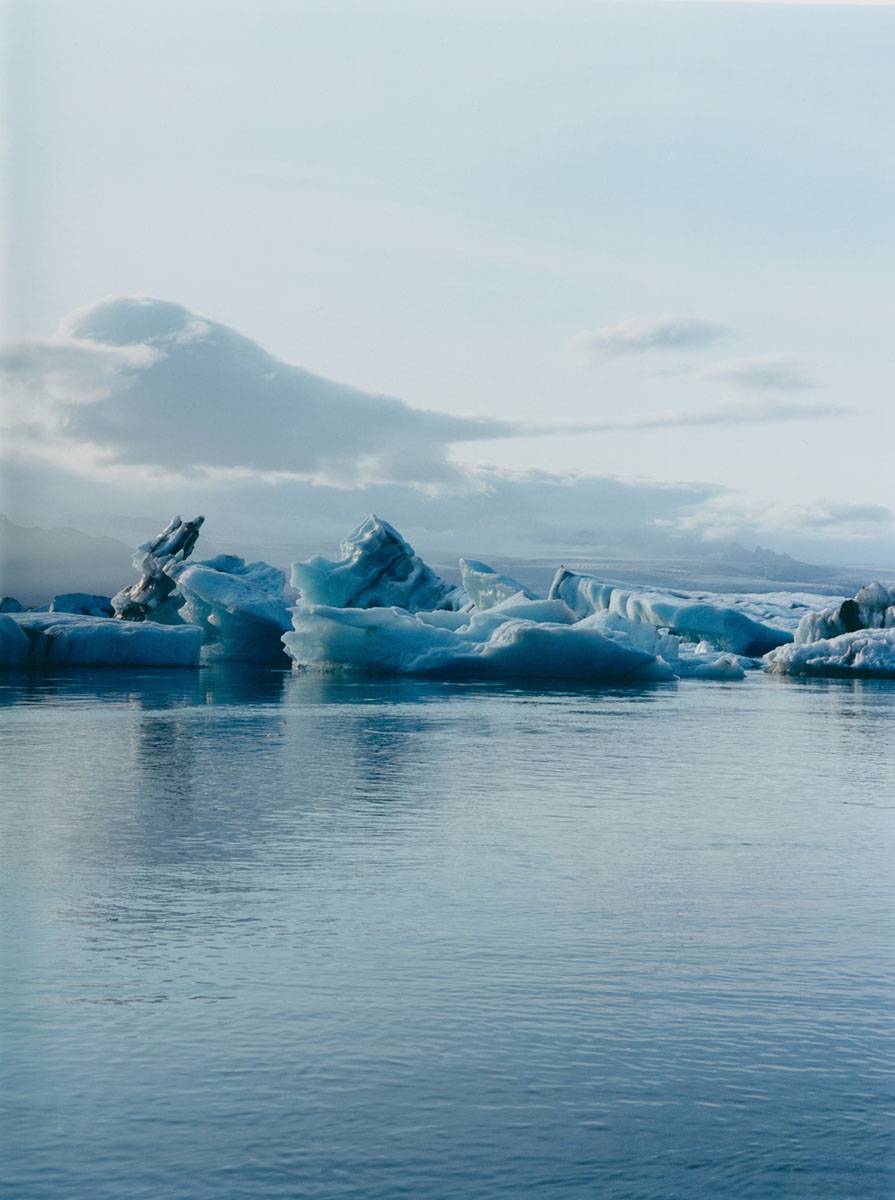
[
  {"x": 864, "y": 652},
  {"x": 514, "y": 639},
  {"x": 9, "y": 604},
  {"x": 706, "y": 617},
  {"x": 856, "y": 637},
  {"x": 704, "y": 662},
  {"x": 50, "y": 639},
  {"x": 15, "y": 646},
  {"x": 872, "y": 607},
  {"x": 485, "y": 587},
  {"x": 482, "y": 645},
  {"x": 382, "y": 610},
  {"x": 152, "y": 596},
  {"x": 240, "y": 607},
  {"x": 378, "y": 569},
  {"x": 82, "y": 603}
]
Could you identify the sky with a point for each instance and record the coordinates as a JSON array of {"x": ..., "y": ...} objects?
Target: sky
[{"x": 609, "y": 276}]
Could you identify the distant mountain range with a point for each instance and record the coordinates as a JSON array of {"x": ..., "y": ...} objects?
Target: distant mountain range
[{"x": 36, "y": 564}]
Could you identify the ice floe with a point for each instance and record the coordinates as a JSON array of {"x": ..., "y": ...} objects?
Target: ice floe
[{"x": 52, "y": 639}]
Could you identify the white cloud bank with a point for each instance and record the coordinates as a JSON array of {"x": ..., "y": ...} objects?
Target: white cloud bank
[{"x": 140, "y": 406}]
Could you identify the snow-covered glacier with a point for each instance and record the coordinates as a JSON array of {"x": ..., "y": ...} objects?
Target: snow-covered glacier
[
  {"x": 378, "y": 568},
  {"x": 49, "y": 639},
  {"x": 855, "y": 637},
  {"x": 725, "y": 622}
]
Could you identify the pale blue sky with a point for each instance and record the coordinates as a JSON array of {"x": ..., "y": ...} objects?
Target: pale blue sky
[{"x": 434, "y": 200}]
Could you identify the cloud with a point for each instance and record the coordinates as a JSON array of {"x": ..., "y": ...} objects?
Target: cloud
[
  {"x": 849, "y": 518},
  {"x": 646, "y": 336},
  {"x": 494, "y": 512},
  {"x": 764, "y": 372},
  {"x": 731, "y": 514},
  {"x": 488, "y": 513},
  {"x": 720, "y": 413},
  {"x": 146, "y": 387},
  {"x": 142, "y": 382}
]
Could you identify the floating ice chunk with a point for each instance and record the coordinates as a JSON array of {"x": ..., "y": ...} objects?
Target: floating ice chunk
[
  {"x": 9, "y": 604},
  {"x": 240, "y": 607},
  {"x": 723, "y": 625},
  {"x": 863, "y": 652},
  {"x": 378, "y": 569},
  {"x": 14, "y": 644},
  {"x": 857, "y": 637},
  {"x": 709, "y": 664},
  {"x": 152, "y": 597},
  {"x": 82, "y": 603},
  {"x": 485, "y": 587},
  {"x": 686, "y": 660},
  {"x": 495, "y": 644},
  {"x": 69, "y": 639},
  {"x": 873, "y": 607},
  {"x": 875, "y": 596}
]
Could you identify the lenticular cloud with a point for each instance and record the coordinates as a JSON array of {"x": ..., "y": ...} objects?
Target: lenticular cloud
[{"x": 151, "y": 383}]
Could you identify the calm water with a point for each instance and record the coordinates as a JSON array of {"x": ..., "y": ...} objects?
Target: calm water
[{"x": 272, "y": 936}]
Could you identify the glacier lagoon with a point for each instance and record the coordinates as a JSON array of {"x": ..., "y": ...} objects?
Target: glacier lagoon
[{"x": 292, "y": 935}]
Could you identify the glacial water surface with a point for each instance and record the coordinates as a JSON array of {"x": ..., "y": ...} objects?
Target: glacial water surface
[{"x": 267, "y": 935}]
